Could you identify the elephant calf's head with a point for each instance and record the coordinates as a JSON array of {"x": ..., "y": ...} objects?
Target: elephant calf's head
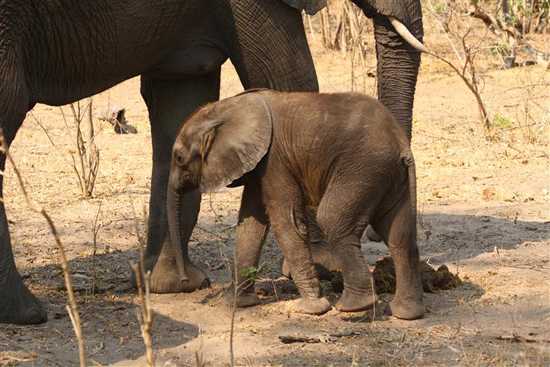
[
  {"x": 220, "y": 143},
  {"x": 217, "y": 145},
  {"x": 190, "y": 152}
]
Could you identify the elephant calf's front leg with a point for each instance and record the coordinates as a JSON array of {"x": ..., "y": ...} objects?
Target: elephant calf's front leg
[
  {"x": 251, "y": 232},
  {"x": 298, "y": 255}
]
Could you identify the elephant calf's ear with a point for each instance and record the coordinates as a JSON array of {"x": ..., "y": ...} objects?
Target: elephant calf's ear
[
  {"x": 208, "y": 138},
  {"x": 239, "y": 143}
]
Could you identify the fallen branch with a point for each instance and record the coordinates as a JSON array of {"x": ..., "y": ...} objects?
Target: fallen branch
[
  {"x": 521, "y": 339},
  {"x": 315, "y": 338}
]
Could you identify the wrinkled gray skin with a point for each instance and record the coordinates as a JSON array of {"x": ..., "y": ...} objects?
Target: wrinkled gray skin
[
  {"x": 56, "y": 52},
  {"x": 342, "y": 154}
]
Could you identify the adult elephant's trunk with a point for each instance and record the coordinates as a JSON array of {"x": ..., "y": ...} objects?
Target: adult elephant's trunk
[
  {"x": 397, "y": 71},
  {"x": 175, "y": 226},
  {"x": 398, "y": 33}
]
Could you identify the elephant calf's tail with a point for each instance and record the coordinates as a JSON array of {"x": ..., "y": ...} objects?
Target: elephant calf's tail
[{"x": 408, "y": 160}]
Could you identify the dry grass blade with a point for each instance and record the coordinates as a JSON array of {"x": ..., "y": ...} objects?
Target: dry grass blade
[
  {"x": 72, "y": 307},
  {"x": 96, "y": 227},
  {"x": 145, "y": 312},
  {"x": 233, "y": 311}
]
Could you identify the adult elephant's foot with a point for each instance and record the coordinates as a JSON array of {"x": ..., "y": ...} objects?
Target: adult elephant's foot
[
  {"x": 18, "y": 305},
  {"x": 407, "y": 308},
  {"x": 165, "y": 276},
  {"x": 352, "y": 301},
  {"x": 311, "y": 306}
]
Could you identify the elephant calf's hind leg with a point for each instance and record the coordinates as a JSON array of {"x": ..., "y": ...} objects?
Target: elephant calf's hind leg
[
  {"x": 398, "y": 228},
  {"x": 358, "y": 291}
]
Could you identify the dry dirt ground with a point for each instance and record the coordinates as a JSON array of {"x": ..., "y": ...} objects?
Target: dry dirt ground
[{"x": 484, "y": 211}]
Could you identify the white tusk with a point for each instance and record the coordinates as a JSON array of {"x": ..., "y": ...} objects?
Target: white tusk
[{"x": 407, "y": 35}]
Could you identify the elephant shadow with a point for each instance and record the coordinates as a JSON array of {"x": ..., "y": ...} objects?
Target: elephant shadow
[
  {"x": 442, "y": 238},
  {"x": 108, "y": 308},
  {"x": 460, "y": 237},
  {"x": 109, "y": 317}
]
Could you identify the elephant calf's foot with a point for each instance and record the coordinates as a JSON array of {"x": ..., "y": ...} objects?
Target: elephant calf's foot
[
  {"x": 407, "y": 309},
  {"x": 355, "y": 301},
  {"x": 245, "y": 298},
  {"x": 311, "y": 306},
  {"x": 165, "y": 277},
  {"x": 19, "y": 306}
]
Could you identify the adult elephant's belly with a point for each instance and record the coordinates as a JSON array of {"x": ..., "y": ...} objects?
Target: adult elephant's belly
[
  {"x": 195, "y": 60},
  {"x": 64, "y": 91},
  {"x": 84, "y": 75},
  {"x": 83, "y": 50}
]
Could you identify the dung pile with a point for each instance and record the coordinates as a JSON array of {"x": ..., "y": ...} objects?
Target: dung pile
[{"x": 384, "y": 277}]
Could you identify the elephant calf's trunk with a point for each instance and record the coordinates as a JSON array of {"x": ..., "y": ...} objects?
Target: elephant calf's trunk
[{"x": 174, "y": 224}]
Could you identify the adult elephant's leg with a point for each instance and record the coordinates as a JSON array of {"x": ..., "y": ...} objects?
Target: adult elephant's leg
[
  {"x": 169, "y": 103},
  {"x": 398, "y": 62},
  {"x": 17, "y": 304},
  {"x": 397, "y": 68},
  {"x": 269, "y": 49},
  {"x": 268, "y": 46}
]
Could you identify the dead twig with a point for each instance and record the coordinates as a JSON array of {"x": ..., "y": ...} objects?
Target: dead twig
[
  {"x": 466, "y": 69},
  {"x": 72, "y": 307},
  {"x": 521, "y": 339},
  {"x": 96, "y": 227},
  {"x": 200, "y": 360},
  {"x": 145, "y": 313},
  {"x": 87, "y": 167}
]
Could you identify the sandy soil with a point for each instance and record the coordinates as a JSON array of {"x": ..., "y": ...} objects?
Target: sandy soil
[{"x": 484, "y": 211}]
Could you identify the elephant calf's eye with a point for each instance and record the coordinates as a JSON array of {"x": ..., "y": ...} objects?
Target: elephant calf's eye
[{"x": 180, "y": 161}]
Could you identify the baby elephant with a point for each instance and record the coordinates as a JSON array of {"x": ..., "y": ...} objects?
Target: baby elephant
[{"x": 343, "y": 154}]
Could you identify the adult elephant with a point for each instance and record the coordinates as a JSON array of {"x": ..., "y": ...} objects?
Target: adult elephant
[{"x": 56, "y": 52}]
